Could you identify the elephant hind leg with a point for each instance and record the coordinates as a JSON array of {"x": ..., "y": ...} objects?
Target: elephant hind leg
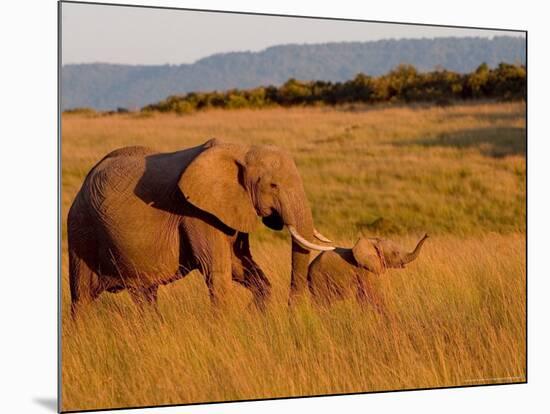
[{"x": 84, "y": 283}]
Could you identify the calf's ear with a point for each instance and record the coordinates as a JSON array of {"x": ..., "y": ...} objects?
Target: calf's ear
[{"x": 367, "y": 256}]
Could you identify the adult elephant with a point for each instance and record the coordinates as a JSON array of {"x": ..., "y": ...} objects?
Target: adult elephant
[{"x": 144, "y": 218}]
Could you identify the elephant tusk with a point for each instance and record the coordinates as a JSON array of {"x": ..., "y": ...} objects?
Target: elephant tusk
[
  {"x": 319, "y": 236},
  {"x": 306, "y": 244}
]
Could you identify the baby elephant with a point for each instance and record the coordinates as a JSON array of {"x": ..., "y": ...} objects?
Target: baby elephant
[{"x": 340, "y": 273}]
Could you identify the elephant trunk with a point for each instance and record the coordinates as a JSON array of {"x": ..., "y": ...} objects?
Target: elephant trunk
[
  {"x": 296, "y": 215},
  {"x": 409, "y": 257}
]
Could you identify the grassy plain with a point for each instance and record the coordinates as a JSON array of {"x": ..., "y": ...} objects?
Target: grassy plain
[{"x": 458, "y": 173}]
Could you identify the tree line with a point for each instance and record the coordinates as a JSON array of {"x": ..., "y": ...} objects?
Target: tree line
[{"x": 403, "y": 84}]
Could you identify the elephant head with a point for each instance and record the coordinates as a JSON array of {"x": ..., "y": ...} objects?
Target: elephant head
[
  {"x": 238, "y": 183},
  {"x": 376, "y": 255}
]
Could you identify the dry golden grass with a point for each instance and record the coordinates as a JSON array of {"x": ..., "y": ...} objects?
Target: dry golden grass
[{"x": 458, "y": 311}]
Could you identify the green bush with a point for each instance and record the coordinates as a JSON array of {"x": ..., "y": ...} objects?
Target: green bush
[
  {"x": 403, "y": 84},
  {"x": 81, "y": 111}
]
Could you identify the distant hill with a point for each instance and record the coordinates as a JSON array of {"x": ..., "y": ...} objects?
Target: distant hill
[{"x": 108, "y": 86}]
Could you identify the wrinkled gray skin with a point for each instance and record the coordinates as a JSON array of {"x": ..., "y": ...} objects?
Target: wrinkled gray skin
[
  {"x": 344, "y": 273},
  {"x": 144, "y": 219}
]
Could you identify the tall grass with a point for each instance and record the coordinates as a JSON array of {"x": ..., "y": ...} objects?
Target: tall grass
[{"x": 457, "y": 313}]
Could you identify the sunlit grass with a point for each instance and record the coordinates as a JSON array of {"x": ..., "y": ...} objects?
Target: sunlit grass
[{"x": 457, "y": 313}]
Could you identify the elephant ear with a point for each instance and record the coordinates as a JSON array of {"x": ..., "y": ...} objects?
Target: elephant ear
[
  {"x": 368, "y": 256},
  {"x": 213, "y": 183}
]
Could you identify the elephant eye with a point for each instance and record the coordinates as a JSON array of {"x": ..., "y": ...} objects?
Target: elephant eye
[{"x": 273, "y": 185}]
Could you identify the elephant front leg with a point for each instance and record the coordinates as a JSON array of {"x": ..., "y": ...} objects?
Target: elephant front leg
[
  {"x": 219, "y": 287},
  {"x": 248, "y": 273},
  {"x": 211, "y": 252},
  {"x": 251, "y": 276}
]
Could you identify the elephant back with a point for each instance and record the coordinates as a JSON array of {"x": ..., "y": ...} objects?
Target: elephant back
[{"x": 110, "y": 181}]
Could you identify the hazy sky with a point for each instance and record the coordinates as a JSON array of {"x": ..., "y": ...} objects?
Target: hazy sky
[{"x": 131, "y": 35}]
